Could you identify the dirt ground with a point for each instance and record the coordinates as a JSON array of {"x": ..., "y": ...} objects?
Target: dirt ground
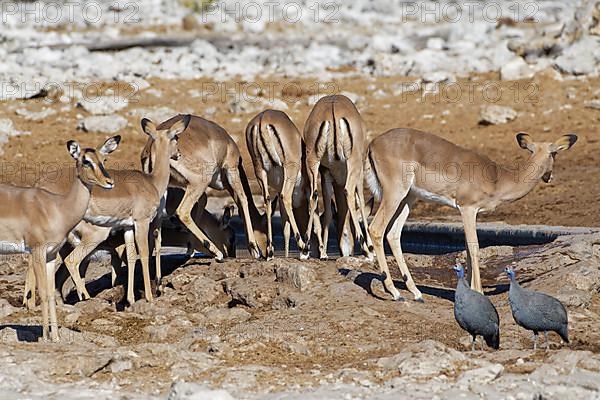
[
  {"x": 546, "y": 108},
  {"x": 254, "y": 327},
  {"x": 261, "y": 327}
]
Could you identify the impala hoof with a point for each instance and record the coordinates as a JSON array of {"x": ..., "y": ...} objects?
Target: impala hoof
[
  {"x": 419, "y": 300},
  {"x": 304, "y": 256},
  {"x": 324, "y": 257}
]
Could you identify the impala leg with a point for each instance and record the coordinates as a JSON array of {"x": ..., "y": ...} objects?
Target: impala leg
[
  {"x": 50, "y": 271},
  {"x": 90, "y": 239},
  {"x": 30, "y": 282},
  {"x": 286, "y": 231},
  {"x": 264, "y": 186},
  {"x": 38, "y": 256},
  {"x": 350, "y": 198},
  {"x": 192, "y": 194},
  {"x": 157, "y": 233},
  {"x": 327, "y": 189},
  {"x": 116, "y": 261},
  {"x": 361, "y": 206},
  {"x": 290, "y": 175},
  {"x": 387, "y": 209},
  {"x": 313, "y": 174},
  {"x": 235, "y": 182},
  {"x": 344, "y": 223},
  {"x": 393, "y": 238},
  {"x": 141, "y": 240},
  {"x": 131, "y": 259},
  {"x": 469, "y": 216}
]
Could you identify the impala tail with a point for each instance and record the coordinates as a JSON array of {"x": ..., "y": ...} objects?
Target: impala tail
[{"x": 371, "y": 176}]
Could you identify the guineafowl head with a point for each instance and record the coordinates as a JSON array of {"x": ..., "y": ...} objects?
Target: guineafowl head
[
  {"x": 510, "y": 272},
  {"x": 460, "y": 271}
]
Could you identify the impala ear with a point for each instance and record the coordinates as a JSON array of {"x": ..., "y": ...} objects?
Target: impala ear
[
  {"x": 149, "y": 128},
  {"x": 179, "y": 126},
  {"x": 563, "y": 143},
  {"x": 525, "y": 141},
  {"x": 74, "y": 149},
  {"x": 110, "y": 145}
]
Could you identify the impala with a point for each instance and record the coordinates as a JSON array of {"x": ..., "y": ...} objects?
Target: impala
[
  {"x": 131, "y": 206},
  {"x": 405, "y": 164},
  {"x": 35, "y": 221},
  {"x": 275, "y": 146},
  {"x": 335, "y": 136},
  {"x": 210, "y": 157}
]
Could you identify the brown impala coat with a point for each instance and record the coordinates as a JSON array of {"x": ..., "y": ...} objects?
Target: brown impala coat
[{"x": 405, "y": 164}]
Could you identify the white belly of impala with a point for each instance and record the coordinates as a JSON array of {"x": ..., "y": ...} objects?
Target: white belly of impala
[
  {"x": 109, "y": 221},
  {"x": 9, "y": 247},
  {"x": 433, "y": 197}
]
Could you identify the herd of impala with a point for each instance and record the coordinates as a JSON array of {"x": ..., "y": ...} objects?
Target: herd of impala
[{"x": 123, "y": 211}]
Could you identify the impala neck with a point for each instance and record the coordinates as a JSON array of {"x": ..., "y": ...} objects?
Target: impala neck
[
  {"x": 77, "y": 199},
  {"x": 161, "y": 172},
  {"x": 517, "y": 183}
]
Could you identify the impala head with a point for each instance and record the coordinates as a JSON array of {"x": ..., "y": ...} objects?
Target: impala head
[
  {"x": 546, "y": 151},
  {"x": 159, "y": 139},
  {"x": 460, "y": 271},
  {"x": 90, "y": 162}
]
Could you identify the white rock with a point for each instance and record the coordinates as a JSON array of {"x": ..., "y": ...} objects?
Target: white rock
[
  {"x": 103, "y": 123},
  {"x": 595, "y": 104},
  {"x": 581, "y": 58},
  {"x": 103, "y": 105},
  {"x": 35, "y": 115},
  {"x": 157, "y": 115},
  {"x": 494, "y": 114},
  {"x": 479, "y": 376},
  {"x": 193, "y": 391},
  {"x": 515, "y": 70}
]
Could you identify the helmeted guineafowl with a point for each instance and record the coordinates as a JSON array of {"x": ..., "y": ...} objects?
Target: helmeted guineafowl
[
  {"x": 475, "y": 313},
  {"x": 536, "y": 311}
]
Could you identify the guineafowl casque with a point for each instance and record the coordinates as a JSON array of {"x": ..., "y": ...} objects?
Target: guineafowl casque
[
  {"x": 475, "y": 313},
  {"x": 536, "y": 312}
]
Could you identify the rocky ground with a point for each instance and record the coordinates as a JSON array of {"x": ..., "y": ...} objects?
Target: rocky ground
[{"x": 287, "y": 329}]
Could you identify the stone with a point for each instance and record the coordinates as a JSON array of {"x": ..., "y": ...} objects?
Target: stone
[
  {"x": 6, "y": 308},
  {"x": 297, "y": 275},
  {"x": 479, "y": 376},
  {"x": 103, "y": 105},
  {"x": 194, "y": 391},
  {"x": 495, "y": 115},
  {"x": 35, "y": 116},
  {"x": 426, "y": 358},
  {"x": 581, "y": 58},
  {"x": 593, "y": 104},
  {"x": 102, "y": 124},
  {"x": 516, "y": 69},
  {"x": 157, "y": 114}
]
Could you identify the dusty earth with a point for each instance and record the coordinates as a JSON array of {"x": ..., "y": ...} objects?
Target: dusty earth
[{"x": 291, "y": 329}]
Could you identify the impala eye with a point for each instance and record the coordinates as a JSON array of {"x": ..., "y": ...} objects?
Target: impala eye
[{"x": 87, "y": 163}]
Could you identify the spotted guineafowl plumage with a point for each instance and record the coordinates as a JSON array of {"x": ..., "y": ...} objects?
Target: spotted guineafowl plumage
[
  {"x": 475, "y": 313},
  {"x": 537, "y": 312}
]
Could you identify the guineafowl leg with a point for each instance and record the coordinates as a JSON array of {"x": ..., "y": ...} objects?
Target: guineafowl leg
[
  {"x": 473, "y": 343},
  {"x": 482, "y": 340},
  {"x": 535, "y": 335},
  {"x": 547, "y": 343}
]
